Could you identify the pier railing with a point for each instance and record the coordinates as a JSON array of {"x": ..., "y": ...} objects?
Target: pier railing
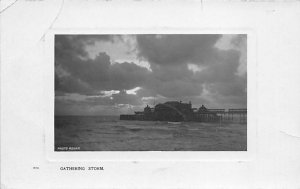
[
  {"x": 237, "y": 114},
  {"x": 217, "y": 110}
]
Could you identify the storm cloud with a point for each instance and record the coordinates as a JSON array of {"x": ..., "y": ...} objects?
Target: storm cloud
[
  {"x": 176, "y": 49},
  {"x": 181, "y": 67},
  {"x": 77, "y": 73}
]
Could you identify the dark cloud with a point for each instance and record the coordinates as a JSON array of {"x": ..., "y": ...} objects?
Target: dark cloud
[
  {"x": 169, "y": 56},
  {"x": 176, "y": 49},
  {"x": 85, "y": 75},
  {"x": 128, "y": 76},
  {"x": 171, "y": 81},
  {"x": 70, "y": 84},
  {"x": 73, "y": 45}
]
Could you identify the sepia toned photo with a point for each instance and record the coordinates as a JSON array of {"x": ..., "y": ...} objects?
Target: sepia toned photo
[{"x": 151, "y": 92}]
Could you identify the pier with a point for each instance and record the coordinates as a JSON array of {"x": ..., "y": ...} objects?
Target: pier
[{"x": 177, "y": 112}]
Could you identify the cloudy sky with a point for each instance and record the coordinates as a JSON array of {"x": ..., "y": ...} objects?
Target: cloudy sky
[{"x": 114, "y": 74}]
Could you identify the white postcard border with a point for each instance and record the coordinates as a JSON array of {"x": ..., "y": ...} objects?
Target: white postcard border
[{"x": 248, "y": 155}]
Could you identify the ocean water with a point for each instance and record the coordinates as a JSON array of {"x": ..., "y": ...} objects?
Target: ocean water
[{"x": 108, "y": 133}]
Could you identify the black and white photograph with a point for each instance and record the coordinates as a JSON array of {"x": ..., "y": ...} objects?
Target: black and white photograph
[
  {"x": 150, "y": 92},
  {"x": 141, "y": 94}
]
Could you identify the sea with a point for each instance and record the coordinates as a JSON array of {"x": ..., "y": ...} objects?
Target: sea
[{"x": 108, "y": 133}]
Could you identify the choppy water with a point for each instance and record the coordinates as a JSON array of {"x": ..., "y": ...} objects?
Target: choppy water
[{"x": 108, "y": 133}]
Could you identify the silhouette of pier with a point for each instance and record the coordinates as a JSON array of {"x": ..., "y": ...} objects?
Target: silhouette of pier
[{"x": 178, "y": 111}]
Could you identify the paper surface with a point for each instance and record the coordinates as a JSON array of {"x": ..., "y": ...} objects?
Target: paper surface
[{"x": 27, "y": 97}]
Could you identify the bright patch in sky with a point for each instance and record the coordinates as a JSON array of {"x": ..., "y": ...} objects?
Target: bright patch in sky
[
  {"x": 109, "y": 93},
  {"x": 194, "y": 68},
  {"x": 133, "y": 91}
]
